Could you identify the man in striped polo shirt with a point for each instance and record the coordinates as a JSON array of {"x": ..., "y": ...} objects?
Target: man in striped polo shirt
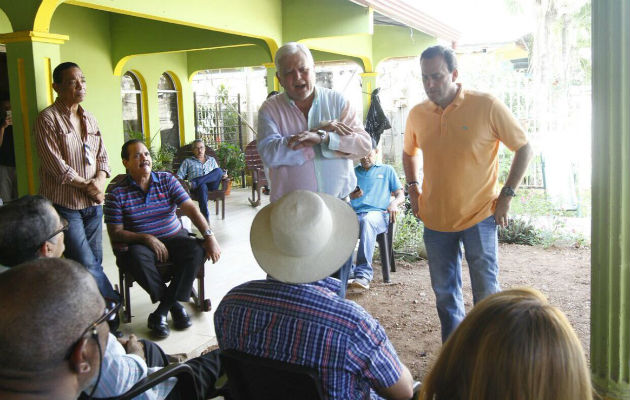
[{"x": 141, "y": 212}]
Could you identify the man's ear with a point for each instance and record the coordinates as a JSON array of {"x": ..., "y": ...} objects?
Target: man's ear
[
  {"x": 47, "y": 249},
  {"x": 455, "y": 74},
  {"x": 125, "y": 162},
  {"x": 56, "y": 87},
  {"x": 79, "y": 358}
]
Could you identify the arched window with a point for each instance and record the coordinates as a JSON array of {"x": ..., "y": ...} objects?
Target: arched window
[
  {"x": 167, "y": 104},
  {"x": 131, "y": 94}
]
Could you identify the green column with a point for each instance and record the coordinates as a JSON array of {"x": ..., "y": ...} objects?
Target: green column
[
  {"x": 272, "y": 81},
  {"x": 610, "y": 288},
  {"x": 368, "y": 83},
  {"x": 30, "y": 57}
]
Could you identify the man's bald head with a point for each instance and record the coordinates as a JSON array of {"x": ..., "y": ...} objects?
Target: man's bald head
[
  {"x": 27, "y": 226},
  {"x": 46, "y": 305}
]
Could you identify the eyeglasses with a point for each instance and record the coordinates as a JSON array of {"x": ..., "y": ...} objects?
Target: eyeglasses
[
  {"x": 111, "y": 308},
  {"x": 64, "y": 228}
]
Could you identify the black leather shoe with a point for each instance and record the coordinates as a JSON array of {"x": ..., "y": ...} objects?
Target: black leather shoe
[
  {"x": 181, "y": 319},
  {"x": 158, "y": 325}
]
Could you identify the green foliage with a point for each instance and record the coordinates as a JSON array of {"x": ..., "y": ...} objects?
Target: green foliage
[
  {"x": 520, "y": 231},
  {"x": 162, "y": 158},
  {"x": 408, "y": 240},
  {"x": 232, "y": 158}
]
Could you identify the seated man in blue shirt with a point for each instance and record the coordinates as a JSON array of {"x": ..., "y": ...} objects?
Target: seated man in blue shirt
[
  {"x": 371, "y": 201},
  {"x": 141, "y": 212},
  {"x": 203, "y": 172},
  {"x": 296, "y": 316}
]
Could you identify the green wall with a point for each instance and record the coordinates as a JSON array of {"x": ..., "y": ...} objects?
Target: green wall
[
  {"x": 5, "y": 24},
  {"x": 398, "y": 41},
  {"x": 90, "y": 47}
]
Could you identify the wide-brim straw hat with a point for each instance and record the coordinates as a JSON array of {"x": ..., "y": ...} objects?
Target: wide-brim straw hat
[{"x": 304, "y": 236}]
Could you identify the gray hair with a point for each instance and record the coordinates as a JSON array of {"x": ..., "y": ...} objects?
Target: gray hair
[
  {"x": 25, "y": 224},
  {"x": 292, "y": 48}
]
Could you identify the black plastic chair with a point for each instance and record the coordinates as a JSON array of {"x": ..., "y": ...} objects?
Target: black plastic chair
[
  {"x": 251, "y": 377},
  {"x": 385, "y": 242}
]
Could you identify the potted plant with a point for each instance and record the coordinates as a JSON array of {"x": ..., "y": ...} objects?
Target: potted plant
[{"x": 231, "y": 158}]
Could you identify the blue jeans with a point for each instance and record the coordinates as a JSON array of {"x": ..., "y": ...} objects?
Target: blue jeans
[
  {"x": 205, "y": 183},
  {"x": 370, "y": 225},
  {"x": 444, "y": 251},
  {"x": 84, "y": 243}
]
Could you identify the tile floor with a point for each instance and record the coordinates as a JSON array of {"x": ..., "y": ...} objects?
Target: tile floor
[{"x": 237, "y": 265}]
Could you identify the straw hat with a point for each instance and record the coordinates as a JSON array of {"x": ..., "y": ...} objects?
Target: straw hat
[{"x": 304, "y": 236}]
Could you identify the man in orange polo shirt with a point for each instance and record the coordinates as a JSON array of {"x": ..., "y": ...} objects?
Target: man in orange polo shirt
[{"x": 458, "y": 132}]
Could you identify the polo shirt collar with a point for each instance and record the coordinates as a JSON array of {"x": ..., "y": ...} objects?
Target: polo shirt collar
[
  {"x": 457, "y": 100},
  {"x": 132, "y": 182}
]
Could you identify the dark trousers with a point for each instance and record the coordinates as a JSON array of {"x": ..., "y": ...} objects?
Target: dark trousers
[
  {"x": 185, "y": 252},
  {"x": 204, "y": 184},
  {"x": 207, "y": 369}
]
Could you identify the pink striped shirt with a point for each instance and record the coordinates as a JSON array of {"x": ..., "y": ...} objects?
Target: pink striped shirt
[{"x": 63, "y": 154}]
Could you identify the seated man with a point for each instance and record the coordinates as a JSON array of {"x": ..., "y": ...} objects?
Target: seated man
[
  {"x": 30, "y": 228},
  {"x": 203, "y": 172},
  {"x": 52, "y": 330},
  {"x": 296, "y": 316},
  {"x": 371, "y": 201},
  {"x": 141, "y": 212},
  {"x": 125, "y": 362}
]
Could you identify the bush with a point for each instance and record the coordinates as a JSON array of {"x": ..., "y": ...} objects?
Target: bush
[
  {"x": 408, "y": 241},
  {"x": 520, "y": 231}
]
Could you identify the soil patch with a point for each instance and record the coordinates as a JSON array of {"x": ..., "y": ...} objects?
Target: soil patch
[{"x": 406, "y": 307}]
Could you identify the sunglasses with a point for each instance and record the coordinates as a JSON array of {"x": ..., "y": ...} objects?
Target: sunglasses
[{"x": 64, "y": 228}]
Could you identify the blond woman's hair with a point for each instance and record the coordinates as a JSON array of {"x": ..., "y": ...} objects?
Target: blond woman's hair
[{"x": 512, "y": 345}]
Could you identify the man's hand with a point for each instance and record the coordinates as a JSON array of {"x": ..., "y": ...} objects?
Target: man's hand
[
  {"x": 414, "y": 193},
  {"x": 303, "y": 139},
  {"x": 392, "y": 209},
  {"x": 356, "y": 193},
  {"x": 133, "y": 346},
  {"x": 157, "y": 246},
  {"x": 338, "y": 127},
  {"x": 8, "y": 120},
  {"x": 212, "y": 248},
  {"x": 501, "y": 211},
  {"x": 95, "y": 191}
]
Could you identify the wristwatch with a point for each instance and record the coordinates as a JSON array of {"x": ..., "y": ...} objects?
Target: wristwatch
[
  {"x": 322, "y": 134},
  {"x": 507, "y": 191},
  {"x": 208, "y": 233}
]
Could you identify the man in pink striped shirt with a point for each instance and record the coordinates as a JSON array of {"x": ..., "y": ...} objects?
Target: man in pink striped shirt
[
  {"x": 308, "y": 135},
  {"x": 73, "y": 169}
]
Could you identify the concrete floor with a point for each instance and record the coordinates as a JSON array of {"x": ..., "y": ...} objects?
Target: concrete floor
[{"x": 237, "y": 265}]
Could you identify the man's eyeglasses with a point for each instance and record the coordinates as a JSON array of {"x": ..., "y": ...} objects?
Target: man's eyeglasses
[
  {"x": 64, "y": 228},
  {"x": 111, "y": 309}
]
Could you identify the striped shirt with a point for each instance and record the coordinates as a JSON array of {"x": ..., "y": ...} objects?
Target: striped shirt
[
  {"x": 65, "y": 154},
  {"x": 309, "y": 324},
  {"x": 192, "y": 168},
  {"x": 152, "y": 212},
  {"x": 120, "y": 371},
  {"x": 323, "y": 168}
]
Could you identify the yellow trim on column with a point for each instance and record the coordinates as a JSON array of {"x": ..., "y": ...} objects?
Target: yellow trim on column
[
  {"x": 369, "y": 74},
  {"x": 33, "y": 36},
  {"x": 25, "y": 125},
  {"x": 49, "y": 89},
  {"x": 180, "y": 108},
  {"x": 44, "y": 15},
  {"x": 145, "y": 105}
]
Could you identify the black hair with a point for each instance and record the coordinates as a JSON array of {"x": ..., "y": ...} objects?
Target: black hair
[
  {"x": 58, "y": 72},
  {"x": 447, "y": 54},
  {"x": 124, "y": 152}
]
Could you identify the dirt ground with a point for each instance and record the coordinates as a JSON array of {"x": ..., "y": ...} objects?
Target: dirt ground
[{"x": 406, "y": 307}]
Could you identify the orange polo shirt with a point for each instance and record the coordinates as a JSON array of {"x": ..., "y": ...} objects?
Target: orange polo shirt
[{"x": 460, "y": 146}]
